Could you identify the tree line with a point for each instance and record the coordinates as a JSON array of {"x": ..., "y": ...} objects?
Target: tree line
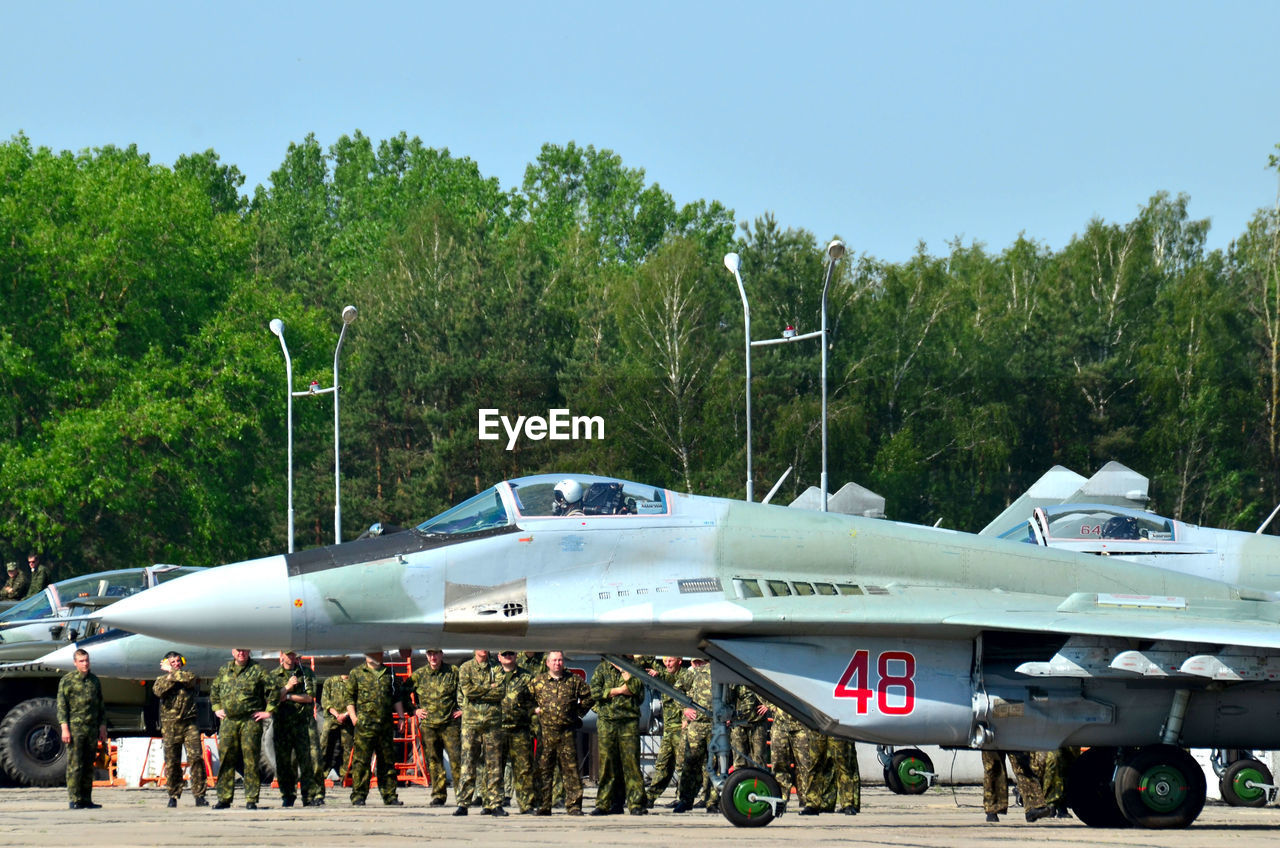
[{"x": 142, "y": 411}]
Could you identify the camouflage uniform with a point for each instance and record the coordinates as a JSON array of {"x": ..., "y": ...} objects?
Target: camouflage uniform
[
  {"x": 561, "y": 703},
  {"x": 1051, "y": 767},
  {"x": 696, "y": 683},
  {"x": 517, "y": 735},
  {"x": 240, "y": 691},
  {"x": 15, "y": 588},
  {"x": 618, "y": 726},
  {"x": 789, "y": 749},
  {"x": 995, "y": 785},
  {"x": 40, "y": 578},
  {"x": 177, "y": 691},
  {"x": 848, "y": 780},
  {"x": 336, "y": 737},
  {"x": 374, "y": 693},
  {"x": 752, "y": 739},
  {"x": 670, "y": 757},
  {"x": 289, "y": 734},
  {"x": 481, "y": 731},
  {"x": 440, "y": 733},
  {"x": 80, "y": 706}
]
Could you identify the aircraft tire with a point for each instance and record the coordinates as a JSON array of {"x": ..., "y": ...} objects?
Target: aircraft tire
[
  {"x": 737, "y": 801},
  {"x": 1235, "y": 780},
  {"x": 31, "y": 749},
  {"x": 1160, "y": 787},
  {"x": 1089, "y": 791},
  {"x": 903, "y": 774}
]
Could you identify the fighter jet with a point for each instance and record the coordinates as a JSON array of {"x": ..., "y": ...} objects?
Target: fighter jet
[{"x": 867, "y": 628}]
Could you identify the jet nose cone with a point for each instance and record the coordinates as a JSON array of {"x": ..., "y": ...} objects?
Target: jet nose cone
[{"x": 242, "y": 605}]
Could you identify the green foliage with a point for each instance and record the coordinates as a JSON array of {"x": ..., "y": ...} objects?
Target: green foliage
[{"x": 142, "y": 406}]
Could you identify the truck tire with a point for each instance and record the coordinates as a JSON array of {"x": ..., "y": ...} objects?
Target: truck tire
[{"x": 31, "y": 749}]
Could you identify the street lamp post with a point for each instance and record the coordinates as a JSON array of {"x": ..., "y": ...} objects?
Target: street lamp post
[
  {"x": 834, "y": 251},
  {"x": 348, "y": 315},
  {"x": 732, "y": 262},
  {"x": 277, "y": 327}
]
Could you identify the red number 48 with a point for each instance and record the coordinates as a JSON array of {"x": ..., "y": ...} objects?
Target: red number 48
[{"x": 895, "y": 686}]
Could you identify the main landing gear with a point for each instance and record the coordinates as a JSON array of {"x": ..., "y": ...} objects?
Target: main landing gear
[{"x": 1159, "y": 786}]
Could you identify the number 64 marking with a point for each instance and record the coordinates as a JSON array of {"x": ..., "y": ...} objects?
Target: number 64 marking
[{"x": 895, "y": 671}]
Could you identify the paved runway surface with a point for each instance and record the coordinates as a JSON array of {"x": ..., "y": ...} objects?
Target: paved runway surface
[{"x": 939, "y": 818}]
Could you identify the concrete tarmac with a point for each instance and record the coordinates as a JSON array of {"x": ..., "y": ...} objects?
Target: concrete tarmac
[{"x": 941, "y": 818}]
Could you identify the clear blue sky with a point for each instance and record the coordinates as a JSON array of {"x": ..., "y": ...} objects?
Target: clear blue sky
[{"x": 885, "y": 123}]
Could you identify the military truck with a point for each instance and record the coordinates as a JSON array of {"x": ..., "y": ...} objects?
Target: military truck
[{"x": 31, "y": 749}]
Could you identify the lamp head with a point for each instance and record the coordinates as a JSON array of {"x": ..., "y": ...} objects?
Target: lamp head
[
  {"x": 276, "y": 326},
  {"x": 835, "y": 250},
  {"x": 732, "y": 262},
  {"x": 348, "y": 314}
]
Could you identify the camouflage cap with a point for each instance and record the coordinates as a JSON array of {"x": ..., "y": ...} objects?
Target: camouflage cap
[{"x": 11, "y": 566}]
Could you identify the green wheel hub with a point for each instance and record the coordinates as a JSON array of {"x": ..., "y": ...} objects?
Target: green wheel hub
[
  {"x": 1163, "y": 788},
  {"x": 909, "y": 772},
  {"x": 1245, "y": 792},
  {"x": 743, "y": 801}
]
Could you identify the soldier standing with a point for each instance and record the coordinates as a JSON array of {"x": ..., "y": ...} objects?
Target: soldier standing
[
  {"x": 848, "y": 779},
  {"x": 1052, "y": 767},
  {"x": 439, "y": 722},
  {"x": 481, "y": 682},
  {"x": 789, "y": 750},
  {"x": 41, "y": 575},
  {"x": 337, "y": 736},
  {"x": 295, "y": 690},
  {"x": 670, "y": 757},
  {"x": 563, "y": 699},
  {"x": 15, "y": 588},
  {"x": 239, "y": 698},
  {"x": 374, "y": 695},
  {"x": 750, "y": 739},
  {"x": 617, "y": 696},
  {"x": 517, "y": 729},
  {"x": 696, "y": 683},
  {"x": 177, "y": 690},
  {"x": 83, "y": 718},
  {"x": 995, "y": 785}
]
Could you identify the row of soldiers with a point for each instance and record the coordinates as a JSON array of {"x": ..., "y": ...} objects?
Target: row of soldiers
[{"x": 482, "y": 715}]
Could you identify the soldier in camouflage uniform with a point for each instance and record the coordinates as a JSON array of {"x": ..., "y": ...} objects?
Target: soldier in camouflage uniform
[
  {"x": 670, "y": 757},
  {"x": 240, "y": 700},
  {"x": 84, "y": 724},
  {"x": 374, "y": 704},
  {"x": 848, "y": 780},
  {"x": 41, "y": 575},
  {"x": 15, "y": 588},
  {"x": 563, "y": 699},
  {"x": 1052, "y": 767},
  {"x": 696, "y": 683},
  {"x": 480, "y": 680},
  {"x": 294, "y": 687},
  {"x": 336, "y": 737},
  {"x": 177, "y": 690},
  {"x": 617, "y": 696},
  {"x": 995, "y": 785},
  {"x": 789, "y": 750},
  {"x": 517, "y": 729},
  {"x": 435, "y": 687},
  {"x": 750, "y": 739}
]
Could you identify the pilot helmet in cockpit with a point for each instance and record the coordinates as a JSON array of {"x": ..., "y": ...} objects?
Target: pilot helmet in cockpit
[{"x": 567, "y": 497}]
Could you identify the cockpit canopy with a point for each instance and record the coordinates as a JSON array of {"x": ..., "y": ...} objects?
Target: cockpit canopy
[
  {"x": 534, "y": 498},
  {"x": 1076, "y": 523}
]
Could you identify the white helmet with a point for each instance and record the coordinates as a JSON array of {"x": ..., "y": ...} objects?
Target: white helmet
[{"x": 568, "y": 491}]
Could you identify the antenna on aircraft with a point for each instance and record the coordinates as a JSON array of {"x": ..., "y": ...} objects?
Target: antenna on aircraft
[{"x": 777, "y": 484}]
